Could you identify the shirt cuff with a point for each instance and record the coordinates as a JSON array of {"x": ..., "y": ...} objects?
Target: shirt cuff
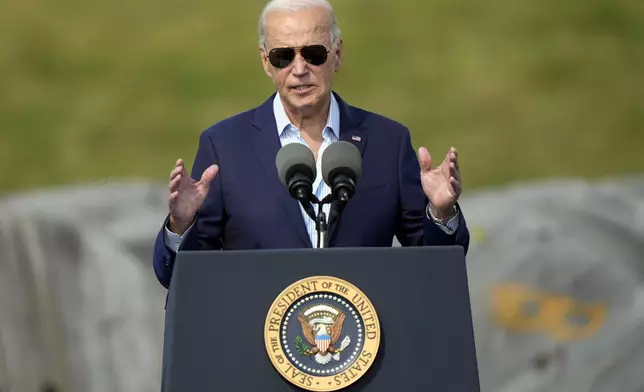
[
  {"x": 173, "y": 240},
  {"x": 449, "y": 225}
]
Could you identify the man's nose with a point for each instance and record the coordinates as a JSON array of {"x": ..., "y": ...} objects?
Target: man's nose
[{"x": 300, "y": 67}]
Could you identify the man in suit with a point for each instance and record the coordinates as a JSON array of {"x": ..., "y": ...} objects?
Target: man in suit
[{"x": 234, "y": 198}]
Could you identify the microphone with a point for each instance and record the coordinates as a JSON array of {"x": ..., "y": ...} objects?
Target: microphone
[
  {"x": 296, "y": 169},
  {"x": 341, "y": 169}
]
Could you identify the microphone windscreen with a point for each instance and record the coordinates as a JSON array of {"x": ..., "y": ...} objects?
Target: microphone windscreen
[
  {"x": 341, "y": 158},
  {"x": 295, "y": 157}
]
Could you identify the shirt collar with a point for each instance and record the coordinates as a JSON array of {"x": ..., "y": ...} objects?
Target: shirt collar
[{"x": 332, "y": 122}]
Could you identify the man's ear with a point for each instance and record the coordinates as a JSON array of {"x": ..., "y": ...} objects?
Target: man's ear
[
  {"x": 339, "y": 52},
  {"x": 265, "y": 64}
]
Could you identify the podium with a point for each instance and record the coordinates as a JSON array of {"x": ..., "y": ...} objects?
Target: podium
[{"x": 356, "y": 319}]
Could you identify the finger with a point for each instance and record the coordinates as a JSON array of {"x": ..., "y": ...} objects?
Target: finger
[
  {"x": 454, "y": 172},
  {"x": 209, "y": 174},
  {"x": 175, "y": 183},
  {"x": 425, "y": 159},
  {"x": 179, "y": 164},
  {"x": 452, "y": 156},
  {"x": 456, "y": 187},
  {"x": 179, "y": 170},
  {"x": 173, "y": 197}
]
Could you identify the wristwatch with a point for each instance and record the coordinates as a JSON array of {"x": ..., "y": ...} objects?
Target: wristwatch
[{"x": 442, "y": 222}]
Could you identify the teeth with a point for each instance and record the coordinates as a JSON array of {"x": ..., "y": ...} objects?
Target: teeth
[{"x": 301, "y": 87}]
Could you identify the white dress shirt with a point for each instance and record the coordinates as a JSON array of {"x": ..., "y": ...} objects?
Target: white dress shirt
[{"x": 288, "y": 133}]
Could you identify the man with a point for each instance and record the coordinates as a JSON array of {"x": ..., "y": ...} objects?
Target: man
[{"x": 234, "y": 198}]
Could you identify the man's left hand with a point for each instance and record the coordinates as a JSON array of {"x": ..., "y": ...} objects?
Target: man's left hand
[{"x": 441, "y": 184}]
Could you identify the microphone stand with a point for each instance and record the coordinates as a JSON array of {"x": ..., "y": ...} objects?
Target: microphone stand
[{"x": 321, "y": 225}]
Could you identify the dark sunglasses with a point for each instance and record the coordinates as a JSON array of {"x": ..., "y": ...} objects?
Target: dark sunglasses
[{"x": 312, "y": 54}]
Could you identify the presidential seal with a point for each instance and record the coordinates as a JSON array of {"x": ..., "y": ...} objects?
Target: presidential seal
[{"x": 322, "y": 333}]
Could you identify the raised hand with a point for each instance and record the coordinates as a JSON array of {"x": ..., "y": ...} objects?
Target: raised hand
[
  {"x": 441, "y": 184},
  {"x": 187, "y": 195}
]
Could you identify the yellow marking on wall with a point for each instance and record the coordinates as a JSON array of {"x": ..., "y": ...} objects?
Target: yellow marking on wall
[{"x": 521, "y": 308}]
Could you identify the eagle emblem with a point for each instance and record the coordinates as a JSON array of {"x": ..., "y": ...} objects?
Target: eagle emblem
[{"x": 322, "y": 328}]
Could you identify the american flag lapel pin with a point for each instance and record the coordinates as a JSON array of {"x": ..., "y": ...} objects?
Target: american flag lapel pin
[{"x": 356, "y": 138}]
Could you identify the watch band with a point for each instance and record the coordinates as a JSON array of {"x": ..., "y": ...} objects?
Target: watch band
[{"x": 445, "y": 221}]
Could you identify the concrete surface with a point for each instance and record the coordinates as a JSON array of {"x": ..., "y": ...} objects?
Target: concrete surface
[{"x": 555, "y": 273}]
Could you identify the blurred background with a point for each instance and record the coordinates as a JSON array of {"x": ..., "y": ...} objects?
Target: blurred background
[{"x": 544, "y": 100}]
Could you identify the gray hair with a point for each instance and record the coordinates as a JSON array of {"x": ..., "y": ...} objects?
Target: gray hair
[{"x": 297, "y": 5}]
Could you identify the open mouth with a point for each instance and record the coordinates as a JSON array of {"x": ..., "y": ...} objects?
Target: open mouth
[{"x": 302, "y": 87}]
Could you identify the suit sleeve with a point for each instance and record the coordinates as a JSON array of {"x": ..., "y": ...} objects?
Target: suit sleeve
[
  {"x": 207, "y": 230},
  {"x": 414, "y": 227}
]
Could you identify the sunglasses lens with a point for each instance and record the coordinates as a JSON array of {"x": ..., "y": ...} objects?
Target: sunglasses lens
[
  {"x": 281, "y": 57},
  {"x": 314, "y": 54}
]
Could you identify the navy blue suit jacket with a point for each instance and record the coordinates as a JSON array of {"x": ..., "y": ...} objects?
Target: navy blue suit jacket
[{"x": 248, "y": 207}]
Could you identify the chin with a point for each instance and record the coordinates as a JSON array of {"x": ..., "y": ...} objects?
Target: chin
[{"x": 305, "y": 102}]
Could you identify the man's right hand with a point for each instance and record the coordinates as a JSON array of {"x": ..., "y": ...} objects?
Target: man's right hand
[{"x": 187, "y": 196}]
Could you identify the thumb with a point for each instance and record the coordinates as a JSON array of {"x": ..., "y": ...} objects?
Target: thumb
[
  {"x": 209, "y": 174},
  {"x": 425, "y": 159}
]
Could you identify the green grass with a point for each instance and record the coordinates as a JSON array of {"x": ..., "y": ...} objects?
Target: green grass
[{"x": 95, "y": 90}]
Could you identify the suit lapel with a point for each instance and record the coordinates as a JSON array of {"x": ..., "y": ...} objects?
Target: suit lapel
[
  {"x": 267, "y": 143},
  {"x": 349, "y": 132}
]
